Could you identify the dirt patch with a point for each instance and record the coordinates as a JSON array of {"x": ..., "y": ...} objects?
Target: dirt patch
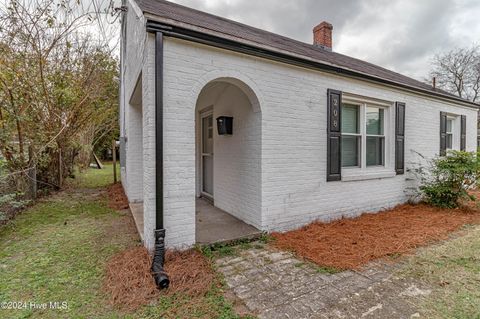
[
  {"x": 352, "y": 243},
  {"x": 130, "y": 284},
  {"x": 116, "y": 197},
  {"x": 122, "y": 230},
  {"x": 128, "y": 280}
]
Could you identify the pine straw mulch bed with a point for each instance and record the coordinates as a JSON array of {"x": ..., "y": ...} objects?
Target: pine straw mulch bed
[
  {"x": 130, "y": 284},
  {"x": 116, "y": 197},
  {"x": 352, "y": 243}
]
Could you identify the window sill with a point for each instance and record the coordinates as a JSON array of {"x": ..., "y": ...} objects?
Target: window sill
[{"x": 357, "y": 175}]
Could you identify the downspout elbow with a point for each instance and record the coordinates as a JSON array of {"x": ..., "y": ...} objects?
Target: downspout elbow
[{"x": 161, "y": 278}]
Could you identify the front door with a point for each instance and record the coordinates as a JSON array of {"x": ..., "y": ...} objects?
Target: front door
[{"x": 207, "y": 155}]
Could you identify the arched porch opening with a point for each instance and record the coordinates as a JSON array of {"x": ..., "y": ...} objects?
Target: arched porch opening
[{"x": 228, "y": 167}]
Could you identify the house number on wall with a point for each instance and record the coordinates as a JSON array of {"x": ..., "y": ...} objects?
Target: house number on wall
[{"x": 335, "y": 113}]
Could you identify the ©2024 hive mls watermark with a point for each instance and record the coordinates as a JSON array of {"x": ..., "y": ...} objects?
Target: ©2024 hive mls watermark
[{"x": 33, "y": 305}]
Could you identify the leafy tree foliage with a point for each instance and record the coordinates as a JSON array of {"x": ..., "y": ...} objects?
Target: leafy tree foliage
[{"x": 58, "y": 86}]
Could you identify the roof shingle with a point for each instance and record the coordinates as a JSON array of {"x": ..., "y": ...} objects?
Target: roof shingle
[{"x": 186, "y": 16}]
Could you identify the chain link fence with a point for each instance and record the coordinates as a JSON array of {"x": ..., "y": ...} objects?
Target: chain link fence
[{"x": 17, "y": 190}]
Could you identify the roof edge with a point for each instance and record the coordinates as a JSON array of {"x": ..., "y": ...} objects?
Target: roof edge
[{"x": 247, "y": 47}]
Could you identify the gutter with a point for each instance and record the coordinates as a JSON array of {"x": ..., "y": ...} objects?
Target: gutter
[
  {"x": 246, "y": 48},
  {"x": 161, "y": 278}
]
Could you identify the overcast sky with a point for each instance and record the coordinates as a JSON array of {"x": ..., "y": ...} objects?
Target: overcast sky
[{"x": 402, "y": 35}]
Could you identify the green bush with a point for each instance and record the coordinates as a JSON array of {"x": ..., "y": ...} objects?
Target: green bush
[{"x": 449, "y": 178}]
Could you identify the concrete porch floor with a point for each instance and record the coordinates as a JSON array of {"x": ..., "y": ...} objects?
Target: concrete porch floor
[{"x": 213, "y": 225}]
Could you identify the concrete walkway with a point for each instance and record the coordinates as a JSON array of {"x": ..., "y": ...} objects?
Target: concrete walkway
[
  {"x": 275, "y": 284},
  {"x": 213, "y": 225}
]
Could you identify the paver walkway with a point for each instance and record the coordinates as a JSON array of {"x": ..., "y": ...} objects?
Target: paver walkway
[{"x": 275, "y": 284}]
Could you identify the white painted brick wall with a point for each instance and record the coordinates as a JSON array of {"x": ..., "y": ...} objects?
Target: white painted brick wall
[
  {"x": 134, "y": 156},
  {"x": 237, "y": 162},
  {"x": 293, "y": 152},
  {"x": 149, "y": 189},
  {"x": 292, "y": 125},
  {"x": 138, "y": 177},
  {"x": 131, "y": 116}
]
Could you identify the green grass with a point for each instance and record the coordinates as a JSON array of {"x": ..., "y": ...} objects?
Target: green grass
[
  {"x": 266, "y": 238},
  {"x": 318, "y": 269},
  {"x": 213, "y": 305},
  {"x": 327, "y": 270},
  {"x": 56, "y": 251},
  {"x": 95, "y": 178},
  {"x": 216, "y": 251},
  {"x": 453, "y": 270},
  {"x": 232, "y": 248}
]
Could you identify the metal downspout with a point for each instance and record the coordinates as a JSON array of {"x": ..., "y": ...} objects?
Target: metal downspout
[{"x": 159, "y": 274}]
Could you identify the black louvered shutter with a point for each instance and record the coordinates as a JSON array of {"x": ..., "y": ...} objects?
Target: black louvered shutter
[
  {"x": 334, "y": 135},
  {"x": 463, "y": 134},
  {"x": 400, "y": 138},
  {"x": 443, "y": 133}
]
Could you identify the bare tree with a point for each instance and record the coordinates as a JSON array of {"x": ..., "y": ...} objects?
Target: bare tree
[{"x": 458, "y": 72}]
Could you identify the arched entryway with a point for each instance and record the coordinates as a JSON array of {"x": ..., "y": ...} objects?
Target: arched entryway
[{"x": 228, "y": 167}]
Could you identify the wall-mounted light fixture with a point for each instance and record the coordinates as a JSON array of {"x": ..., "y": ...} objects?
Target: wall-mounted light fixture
[{"x": 225, "y": 125}]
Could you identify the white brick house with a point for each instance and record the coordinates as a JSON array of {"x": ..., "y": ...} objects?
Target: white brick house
[{"x": 316, "y": 134}]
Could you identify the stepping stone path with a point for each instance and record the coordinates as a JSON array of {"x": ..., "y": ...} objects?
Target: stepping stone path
[{"x": 275, "y": 284}]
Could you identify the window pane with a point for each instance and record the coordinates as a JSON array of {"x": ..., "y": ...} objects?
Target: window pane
[
  {"x": 350, "y": 118},
  {"x": 375, "y": 150},
  {"x": 449, "y": 125},
  {"x": 374, "y": 117},
  {"x": 449, "y": 141},
  {"x": 208, "y": 174},
  {"x": 207, "y": 135},
  {"x": 350, "y": 151}
]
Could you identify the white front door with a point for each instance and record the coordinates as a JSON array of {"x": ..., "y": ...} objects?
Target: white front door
[{"x": 207, "y": 155}]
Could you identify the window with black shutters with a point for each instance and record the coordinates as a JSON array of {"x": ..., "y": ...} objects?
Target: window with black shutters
[
  {"x": 365, "y": 137},
  {"x": 452, "y": 132},
  {"x": 363, "y": 134}
]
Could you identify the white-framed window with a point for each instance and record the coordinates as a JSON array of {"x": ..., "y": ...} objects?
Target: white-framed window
[
  {"x": 450, "y": 132},
  {"x": 351, "y": 135},
  {"x": 365, "y": 127},
  {"x": 375, "y": 135}
]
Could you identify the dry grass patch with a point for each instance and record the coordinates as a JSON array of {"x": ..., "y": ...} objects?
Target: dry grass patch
[
  {"x": 130, "y": 284},
  {"x": 116, "y": 197},
  {"x": 128, "y": 279},
  {"x": 453, "y": 270},
  {"x": 352, "y": 243},
  {"x": 190, "y": 273}
]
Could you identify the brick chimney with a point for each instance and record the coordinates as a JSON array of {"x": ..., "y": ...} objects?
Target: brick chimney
[{"x": 322, "y": 35}]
